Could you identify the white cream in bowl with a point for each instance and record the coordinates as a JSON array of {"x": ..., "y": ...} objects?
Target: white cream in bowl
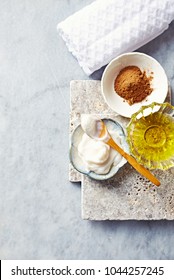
[{"x": 95, "y": 158}]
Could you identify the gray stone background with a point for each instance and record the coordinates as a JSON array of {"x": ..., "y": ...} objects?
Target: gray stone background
[{"x": 40, "y": 210}]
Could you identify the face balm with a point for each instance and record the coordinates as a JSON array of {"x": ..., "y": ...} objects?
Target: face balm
[{"x": 96, "y": 155}]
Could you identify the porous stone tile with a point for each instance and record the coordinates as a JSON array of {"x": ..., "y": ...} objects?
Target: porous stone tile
[
  {"x": 74, "y": 175},
  {"x": 127, "y": 195},
  {"x": 86, "y": 98}
]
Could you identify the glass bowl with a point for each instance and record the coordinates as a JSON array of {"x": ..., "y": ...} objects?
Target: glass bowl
[{"x": 150, "y": 135}]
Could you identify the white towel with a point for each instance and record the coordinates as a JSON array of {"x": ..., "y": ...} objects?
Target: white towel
[{"x": 106, "y": 28}]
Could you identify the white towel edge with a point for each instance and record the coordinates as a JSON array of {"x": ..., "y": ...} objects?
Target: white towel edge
[
  {"x": 86, "y": 69},
  {"x": 72, "y": 49}
]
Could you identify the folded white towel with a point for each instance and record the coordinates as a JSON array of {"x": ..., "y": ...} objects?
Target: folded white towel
[{"x": 106, "y": 28}]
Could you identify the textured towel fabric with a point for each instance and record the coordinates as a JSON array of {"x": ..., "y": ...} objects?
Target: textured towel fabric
[{"x": 106, "y": 28}]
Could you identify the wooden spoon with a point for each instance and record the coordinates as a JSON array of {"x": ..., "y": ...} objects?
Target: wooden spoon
[{"x": 140, "y": 168}]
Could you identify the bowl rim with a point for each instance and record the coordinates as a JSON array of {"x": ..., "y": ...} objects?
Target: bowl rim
[
  {"x": 152, "y": 105},
  {"x": 104, "y": 75}
]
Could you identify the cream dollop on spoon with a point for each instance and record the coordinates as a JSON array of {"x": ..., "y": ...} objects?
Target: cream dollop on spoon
[{"x": 96, "y": 129}]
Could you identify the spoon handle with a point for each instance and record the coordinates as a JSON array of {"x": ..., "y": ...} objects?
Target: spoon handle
[{"x": 140, "y": 168}]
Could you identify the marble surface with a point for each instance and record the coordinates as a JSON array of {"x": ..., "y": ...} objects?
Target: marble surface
[{"x": 40, "y": 209}]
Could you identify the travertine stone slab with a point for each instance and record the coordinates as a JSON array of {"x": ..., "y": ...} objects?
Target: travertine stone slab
[{"x": 127, "y": 195}]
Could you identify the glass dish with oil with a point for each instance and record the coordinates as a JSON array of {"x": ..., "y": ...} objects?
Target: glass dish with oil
[{"x": 150, "y": 135}]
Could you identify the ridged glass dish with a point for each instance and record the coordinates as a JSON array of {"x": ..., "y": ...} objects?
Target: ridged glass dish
[{"x": 150, "y": 135}]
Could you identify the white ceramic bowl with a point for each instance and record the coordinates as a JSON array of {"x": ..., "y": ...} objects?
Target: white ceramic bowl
[
  {"x": 78, "y": 163},
  {"x": 146, "y": 63}
]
